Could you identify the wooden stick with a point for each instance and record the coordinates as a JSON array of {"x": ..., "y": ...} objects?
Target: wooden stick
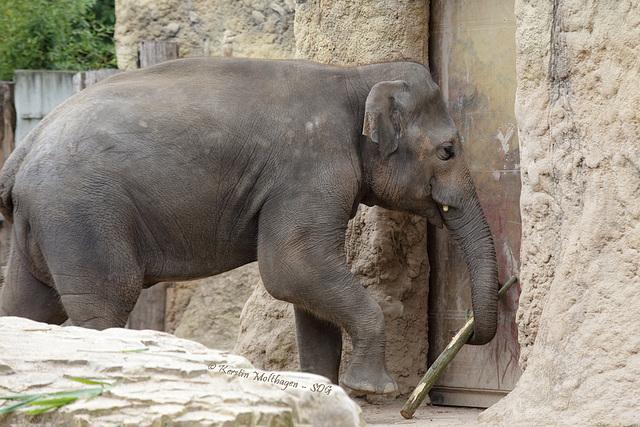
[{"x": 447, "y": 355}]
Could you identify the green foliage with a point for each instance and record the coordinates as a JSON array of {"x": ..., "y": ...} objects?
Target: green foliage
[
  {"x": 46, "y": 401},
  {"x": 56, "y": 35}
]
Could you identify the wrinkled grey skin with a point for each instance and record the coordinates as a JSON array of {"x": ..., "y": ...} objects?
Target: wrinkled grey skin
[{"x": 197, "y": 166}]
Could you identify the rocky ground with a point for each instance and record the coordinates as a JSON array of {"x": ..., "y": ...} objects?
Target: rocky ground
[{"x": 388, "y": 414}]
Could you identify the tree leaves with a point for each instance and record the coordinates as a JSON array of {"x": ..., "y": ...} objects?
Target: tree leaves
[{"x": 56, "y": 35}]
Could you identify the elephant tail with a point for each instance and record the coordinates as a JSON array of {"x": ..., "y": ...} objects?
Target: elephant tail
[{"x": 8, "y": 178}]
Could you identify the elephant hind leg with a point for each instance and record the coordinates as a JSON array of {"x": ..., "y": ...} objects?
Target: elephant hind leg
[
  {"x": 319, "y": 344},
  {"x": 25, "y": 296},
  {"x": 93, "y": 303}
]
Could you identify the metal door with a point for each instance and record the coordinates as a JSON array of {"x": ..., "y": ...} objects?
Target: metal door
[{"x": 472, "y": 58}]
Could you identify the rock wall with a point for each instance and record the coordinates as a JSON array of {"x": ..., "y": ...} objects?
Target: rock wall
[
  {"x": 267, "y": 334},
  {"x": 156, "y": 379},
  {"x": 250, "y": 28},
  {"x": 578, "y": 110},
  {"x": 344, "y": 32},
  {"x": 213, "y": 312}
]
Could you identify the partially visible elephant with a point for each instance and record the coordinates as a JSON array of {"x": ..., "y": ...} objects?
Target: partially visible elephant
[{"x": 196, "y": 166}]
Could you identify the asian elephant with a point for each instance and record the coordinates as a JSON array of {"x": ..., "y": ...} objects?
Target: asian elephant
[{"x": 196, "y": 166}]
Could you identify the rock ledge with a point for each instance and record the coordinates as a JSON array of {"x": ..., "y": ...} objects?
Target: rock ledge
[{"x": 161, "y": 380}]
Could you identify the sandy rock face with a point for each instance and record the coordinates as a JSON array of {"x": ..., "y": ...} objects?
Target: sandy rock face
[
  {"x": 362, "y": 32},
  {"x": 173, "y": 381},
  {"x": 250, "y": 28},
  {"x": 578, "y": 109},
  {"x": 212, "y": 317},
  {"x": 267, "y": 334}
]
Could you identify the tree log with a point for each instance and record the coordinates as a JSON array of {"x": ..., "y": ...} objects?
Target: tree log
[{"x": 447, "y": 355}]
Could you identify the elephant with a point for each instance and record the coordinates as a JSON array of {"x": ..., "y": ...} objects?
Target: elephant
[{"x": 196, "y": 166}]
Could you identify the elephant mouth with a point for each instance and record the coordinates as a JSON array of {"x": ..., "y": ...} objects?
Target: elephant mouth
[
  {"x": 438, "y": 212},
  {"x": 435, "y": 213}
]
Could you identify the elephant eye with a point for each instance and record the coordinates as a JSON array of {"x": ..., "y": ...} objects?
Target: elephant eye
[{"x": 446, "y": 151}]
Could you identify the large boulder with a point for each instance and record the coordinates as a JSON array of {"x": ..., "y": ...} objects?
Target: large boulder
[
  {"x": 159, "y": 380},
  {"x": 212, "y": 316}
]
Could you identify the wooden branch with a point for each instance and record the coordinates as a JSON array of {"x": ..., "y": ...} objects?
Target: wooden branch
[{"x": 447, "y": 355}]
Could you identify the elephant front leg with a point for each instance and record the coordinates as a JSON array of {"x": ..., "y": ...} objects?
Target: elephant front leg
[
  {"x": 319, "y": 344},
  {"x": 302, "y": 261}
]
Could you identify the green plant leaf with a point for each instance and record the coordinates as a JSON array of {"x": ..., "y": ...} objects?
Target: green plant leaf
[
  {"x": 16, "y": 406},
  {"x": 50, "y": 401},
  {"x": 139, "y": 350},
  {"x": 21, "y": 396},
  {"x": 94, "y": 395},
  {"x": 39, "y": 411},
  {"x": 56, "y": 34},
  {"x": 86, "y": 381},
  {"x": 75, "y": 393},
  {"x": 54, "y": 402}
]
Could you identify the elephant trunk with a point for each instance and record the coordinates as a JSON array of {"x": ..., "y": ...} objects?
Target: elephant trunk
[{"x": 469, "y": 228}]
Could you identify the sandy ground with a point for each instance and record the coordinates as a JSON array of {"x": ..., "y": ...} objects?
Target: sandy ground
[{"x": 388, "y": 414}]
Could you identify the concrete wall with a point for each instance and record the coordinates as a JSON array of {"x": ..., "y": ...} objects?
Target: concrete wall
[{"x": 36, "y": 93}]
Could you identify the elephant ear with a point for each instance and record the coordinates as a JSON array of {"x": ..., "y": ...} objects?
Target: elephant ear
[{"x": 383, "y": 121}]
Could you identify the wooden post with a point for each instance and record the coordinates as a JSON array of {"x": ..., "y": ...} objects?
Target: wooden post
[
  {"x": 7, "y": 144},
  {"x": 7, "y": 121},
  {"x": 149, "y": 312},
  {"x": 152, "y": 52},
  {"x": 84, "y": 79}
]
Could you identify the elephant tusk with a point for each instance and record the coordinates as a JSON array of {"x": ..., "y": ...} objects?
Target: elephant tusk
[{"x": 445, "y": 208}]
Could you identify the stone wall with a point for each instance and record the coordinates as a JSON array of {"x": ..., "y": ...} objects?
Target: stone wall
[
  {"x": 250, "y": 28},
  {"x": 362, "y": 32},
  {"x": 578, "y": 110}
]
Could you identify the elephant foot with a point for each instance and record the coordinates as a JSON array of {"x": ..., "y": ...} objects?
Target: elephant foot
[{"x": 369, "y": 382}]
